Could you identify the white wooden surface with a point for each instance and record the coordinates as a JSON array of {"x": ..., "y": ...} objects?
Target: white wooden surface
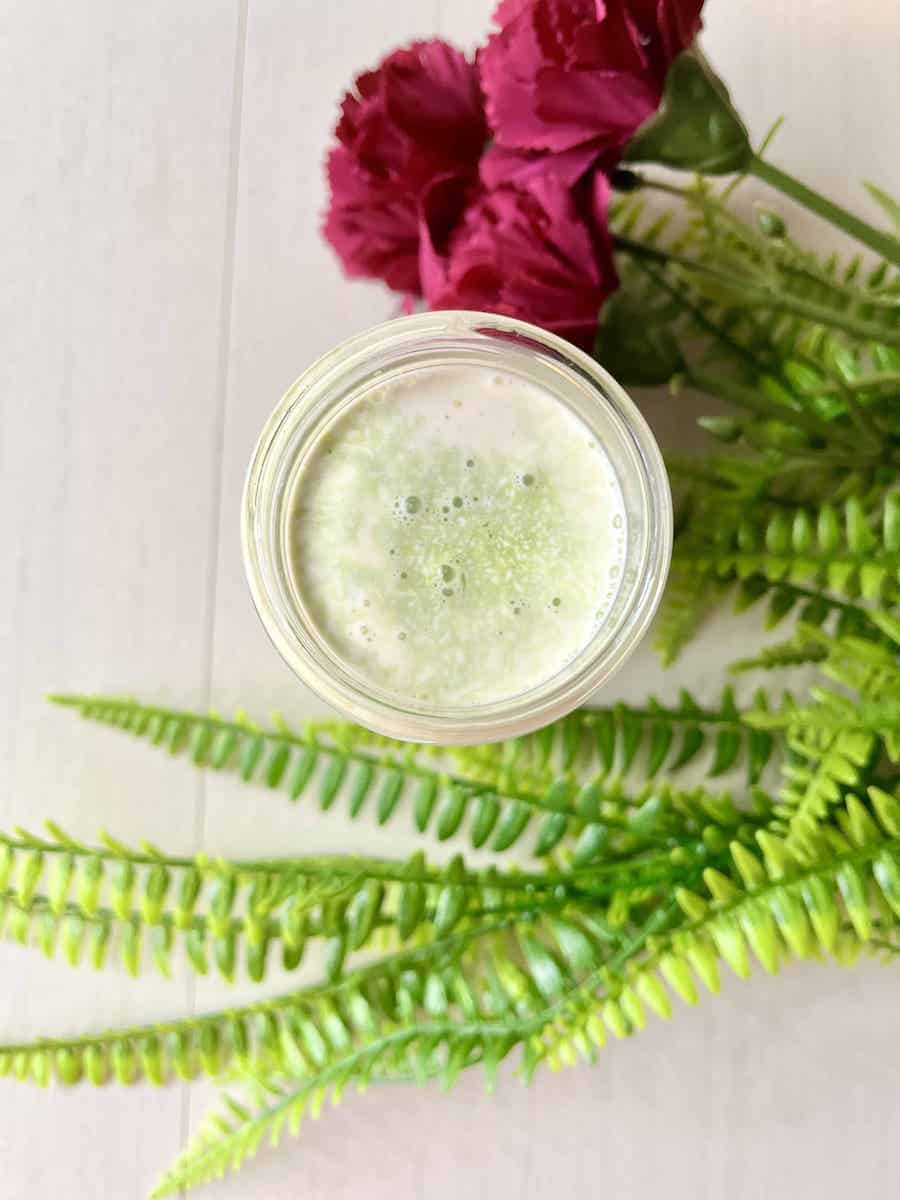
[{"x": 162, "y": 282}]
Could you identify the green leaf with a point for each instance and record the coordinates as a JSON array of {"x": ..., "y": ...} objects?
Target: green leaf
[
  {"x": 411, "y": 905},
  {"x": 362, "y": 782},
  {"x": 854, "y": 893},
  {"x": 363, "y": 912},
  {"x": 426, "y": 795},
  {"x": 304, "y": 765},
  {"x": 514, "y": 819},
  {"x": 631, "y": 347},
  {"x": 724, "y": 429},
  {"x": 453, "y": 809},
  {"x": 577, "y": 948},
  {"x": 487, "y": 810},
  {"x": 545, "y": 971},
  {"x": 552, "y": 830},
  {"x": 452, "y": 899},
  {"x": 887, "y": 203},
  {"x": 332, "y": 782}
]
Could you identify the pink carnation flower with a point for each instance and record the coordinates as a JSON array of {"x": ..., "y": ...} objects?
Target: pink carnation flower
[
  {"x": 417, "y": 118},
  {"x": 538, "y": 252},
  {"x": 566, "y": 74}
]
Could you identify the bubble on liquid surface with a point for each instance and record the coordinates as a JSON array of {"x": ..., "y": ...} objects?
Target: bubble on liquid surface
[
  {"x": 470, "y": 462},
  {"x": 457, "y": 501},
  {"x": 447, "y": 573},
  {"x": 556, "y": 601},
  {"x": 412, "y": 504},
  {"x": 617, "y": 521}
]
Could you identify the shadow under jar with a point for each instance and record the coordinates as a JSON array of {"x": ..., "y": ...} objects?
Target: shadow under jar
[{"x": 455, "y": 527}]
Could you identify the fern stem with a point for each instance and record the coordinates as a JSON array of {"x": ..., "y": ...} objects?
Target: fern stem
[
  {"x": 844, "y": 606},
  {"x": 875, "y": 381},
  {"x": 883, "y": 244},
  {"x": 201, "y": 923},
  {"x": 349, "y": 868},
  {"x": 451, "y": 945},
  {"x": 197, "y": 1165},
  {"x": 879, "y": 721},
  {"x": 542, "y": 798},
  {"x": 667, "y": 714},
  {"x": 287, "y": 737},
  {"x": 764, "y": 297},
  {"x": 725, "y": 562},
  {"x": 805, "y": 268},
  {"x": 755, "y": 402},
  {"x": 700, "y": 318}
]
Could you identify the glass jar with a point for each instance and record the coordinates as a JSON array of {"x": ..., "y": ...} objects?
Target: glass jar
[{"x": 328, "y": 389}]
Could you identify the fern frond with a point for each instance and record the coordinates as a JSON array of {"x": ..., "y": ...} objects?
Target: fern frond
[
  {"x": 149, "y": 902},
  {"x": 234, "y": 1134},
  {"x": 342, "y": 766},
  {"x": 284, "y": 1034},
  {"x": 689, "y": 597},
  {"x": 218, "y": 912},
  {"x": 832, "y": 713},
  {"x": 735, "y": 291},
  {"x": 807, "y": 354},
  {"x": 481, "y": 953},
  {"x": 870, "y": 668},
  {"x": 850, "y": 552},
  {"x": 836, "y": 738},
  {"x": 655, "y": 737},
  {"x": 795, "y": 652},
  {"x": 828, "y": 762},
  {"x": 327, "y": 761},
  {"x": 825, "y": 892},
  {"x": 779, "y": 903}
]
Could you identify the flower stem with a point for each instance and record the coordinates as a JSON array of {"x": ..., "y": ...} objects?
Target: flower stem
[{"x": 883, "y": 244}]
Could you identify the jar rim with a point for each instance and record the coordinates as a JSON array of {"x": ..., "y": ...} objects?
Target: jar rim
[{"x": 297, "y": 421}]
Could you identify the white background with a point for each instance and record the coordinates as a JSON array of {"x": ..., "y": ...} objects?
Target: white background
[{"x": 162, "y": 281}]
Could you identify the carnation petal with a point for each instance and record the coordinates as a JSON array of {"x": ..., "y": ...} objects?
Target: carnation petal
[
  {"x": 448, "y": 112},
  {"x": 525, "y": 168},
  {"x": 583, "y": 105},
  {"x": 529, "y": 253},
  {"x": 679, "y": 23},
  {"x": 417, "y": 118}
]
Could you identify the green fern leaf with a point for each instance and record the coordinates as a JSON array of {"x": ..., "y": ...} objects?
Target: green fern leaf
[
  {"x": 595, "y": 741},
  {"x": 215, "y": 909}
]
